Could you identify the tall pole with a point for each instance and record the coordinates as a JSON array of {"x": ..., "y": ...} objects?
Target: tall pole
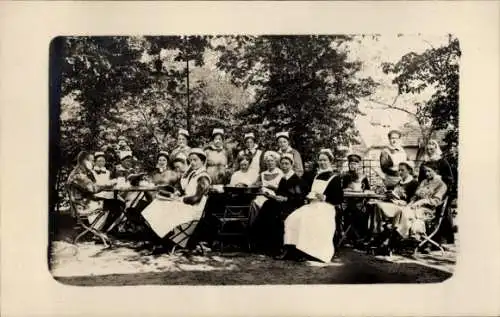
[{"x": 188, "y": 109}]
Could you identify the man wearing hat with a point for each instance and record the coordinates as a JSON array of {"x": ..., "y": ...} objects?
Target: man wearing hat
[
  {"x": 182, "y": 147},
  {"x": 390, "y": 157},
  {"x": 218, "y": 159},
  {"x": 354, "y": 179},
  {"x": 283, "y": 139},
  {"x": 252, "y": 151}
]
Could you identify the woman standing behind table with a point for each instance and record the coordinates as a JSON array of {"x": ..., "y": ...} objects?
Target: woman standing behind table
[
  {"x": 175, "y": 218},
  {"x": 269, "y": 228},
  {"x": 390, "y": 158},
  {"x": 269, "y": 181},
  {"x": 309, "y": 230},
  {"x": 182, "y": 148},
  {"x": 218, "y": 159},
  {"x": 255, "y": 156},
  {"x": 283, "y": 139}
]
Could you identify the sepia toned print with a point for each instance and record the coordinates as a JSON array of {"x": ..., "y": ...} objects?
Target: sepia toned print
[{"x": 213, "y": 160}]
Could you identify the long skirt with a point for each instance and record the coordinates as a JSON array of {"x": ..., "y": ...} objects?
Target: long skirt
[
  {"x": 311, "y": 229},
  {"x": 268, "y": 228},
  {"x": 255, "y": 207},
  {"x": 382, "y": 211},
  {"x": 410, "y": 222},
  {"x": 173, "y": 217}
]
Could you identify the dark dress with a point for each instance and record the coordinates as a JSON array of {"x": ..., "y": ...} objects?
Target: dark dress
[{"x": 268, "y": 230}]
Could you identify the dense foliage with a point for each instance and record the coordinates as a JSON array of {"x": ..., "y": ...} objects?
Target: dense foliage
[
  {"x": 145, "y": 88},
  {"x": 437, "y": 68}
]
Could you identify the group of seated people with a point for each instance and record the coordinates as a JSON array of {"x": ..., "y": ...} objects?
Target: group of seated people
[{"x": 293, "y": 216}]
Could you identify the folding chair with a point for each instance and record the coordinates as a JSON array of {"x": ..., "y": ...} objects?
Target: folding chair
[
  {"x": 84, "y": 221},
  {"x": 432, "y": 226}
]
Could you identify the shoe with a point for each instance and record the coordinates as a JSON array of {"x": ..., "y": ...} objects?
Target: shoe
[
  {"x": 282, "y": 256},
  {"x": 159, "y": 250}
]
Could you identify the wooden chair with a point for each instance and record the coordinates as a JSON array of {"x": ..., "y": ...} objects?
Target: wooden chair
[
  {"x": 84, "y": 222},
  {"x": 433, "y": 225}
]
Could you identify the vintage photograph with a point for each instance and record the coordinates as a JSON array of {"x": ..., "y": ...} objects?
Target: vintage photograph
[{"x": 253, "y": 160}]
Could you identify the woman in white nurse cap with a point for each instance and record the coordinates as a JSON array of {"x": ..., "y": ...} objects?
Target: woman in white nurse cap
[
  {"x": 182, "y": 146},
  {"x": 218, "y": 158},
  {"x": 283, "y": 139}
]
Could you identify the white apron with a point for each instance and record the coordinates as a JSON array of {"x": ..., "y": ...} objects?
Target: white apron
[
  {"x": 261, "y": 199},
  {"x": 164, "y": 216},
  {"x": 103, "y": 179},
  {"x": 311, "y": 227}
]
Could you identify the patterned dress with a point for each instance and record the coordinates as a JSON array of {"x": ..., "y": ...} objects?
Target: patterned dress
[
  {"x": 401, "y": 195},
  {"x": 410, "y": 221},
  {"x": 82, "y": 188}
]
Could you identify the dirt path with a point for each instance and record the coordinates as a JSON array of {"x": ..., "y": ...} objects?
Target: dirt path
[{"x": 124, "y": 266}]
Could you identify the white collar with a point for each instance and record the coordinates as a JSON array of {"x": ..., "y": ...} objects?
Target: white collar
[
  {"x": 253, "y": 149},
  {"x": 407, "y": 180},
  {"x": 288, "y": 150},
  {"x": 289, "y": 174},
  {"x": 274, "y": 171},
  {"x": 323, "y": 171}
]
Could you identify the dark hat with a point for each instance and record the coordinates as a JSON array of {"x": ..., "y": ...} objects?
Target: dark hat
[{"x": 354, "y": 158}]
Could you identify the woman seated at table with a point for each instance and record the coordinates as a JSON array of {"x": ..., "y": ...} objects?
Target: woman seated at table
[
  {"x": 244, "y": 177},
  {"x": 103, "y": 177},
  {"x": 397, "y": 198},
  {"x": 409, "y": 222},
  {"x": 268, "y": 229},
  {"x": 174, "y": 218},
  {"x": 268, "y": 181},
  {"x": 309, "y": 230},
  {"x": 163, "y": 176},
  {"x": 84, "y": 190}
]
